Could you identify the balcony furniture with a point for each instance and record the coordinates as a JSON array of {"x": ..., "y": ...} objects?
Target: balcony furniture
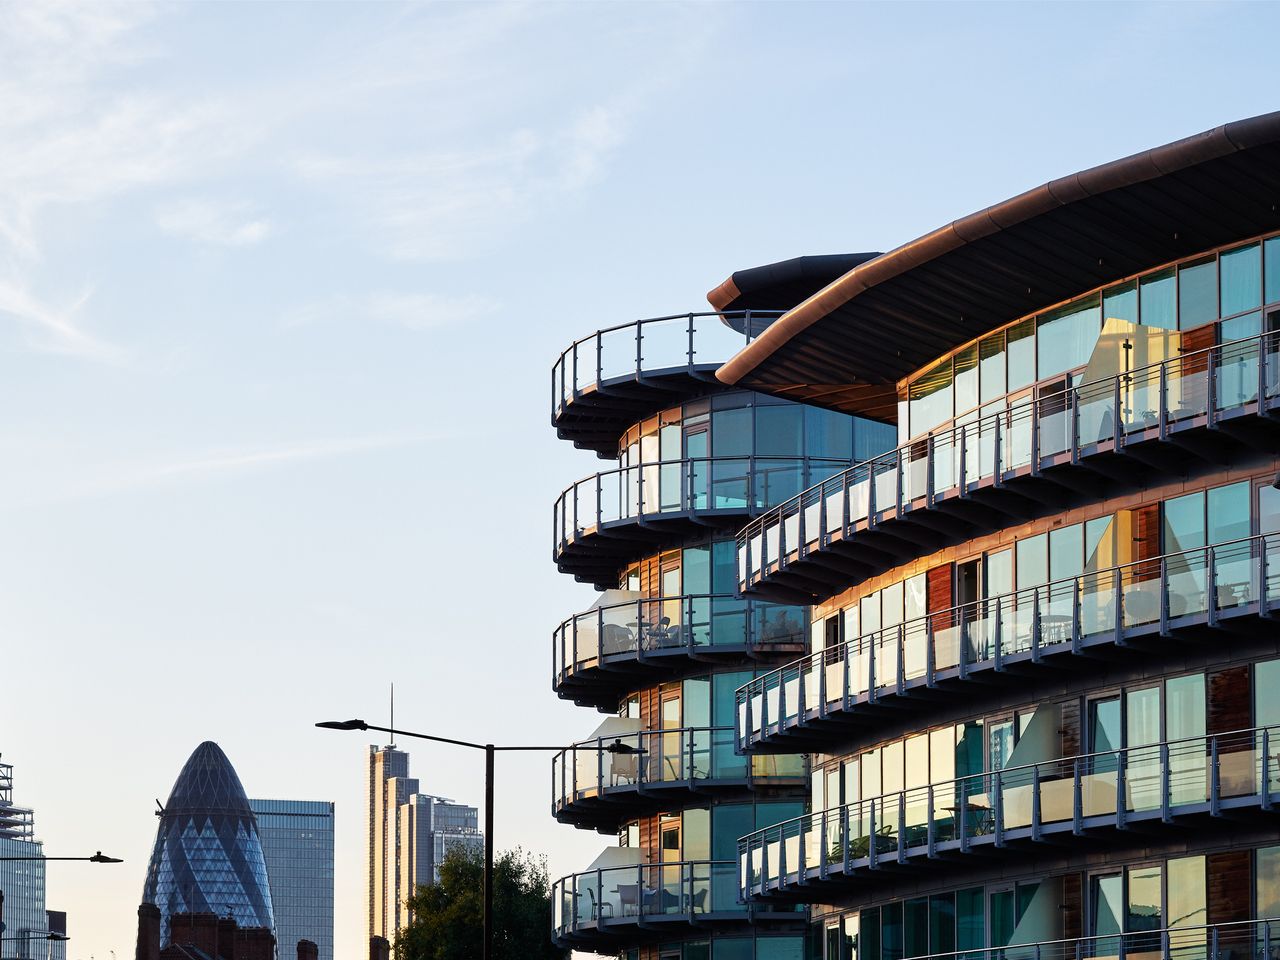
[
  {"x": 624, "y": 768},
  {"x": 618, "y": 639},
  {"x": 598, "y": 911},
  {"x": 629, "y": 898},
  {"x": 699, "y": 901}
]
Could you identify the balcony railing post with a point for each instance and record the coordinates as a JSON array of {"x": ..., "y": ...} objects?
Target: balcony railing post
[
  {"x": 749, "y": 727},
  {"x": 1211, "y": 578},
  {"x": 690, "y": 762},
  {"x": 822, "y": 685},
  {"x": 1117, "y": 422},
  {"x": 1265, "y": 786},
  {"x": 1118, "y": 626},
  {"x": 873, "y": 853},
  {"x": 691, "y": 348},
  {"x": 1264, "y": 606},
  {"x": 1035, "y": 405},
  {"x": 1164, "y": 597},
  {"x": 846, "y": 852},
  {"x": 1075, "y": 616},
  {"x": 962, "y": 817},
  {"x": 1073, "y": 411},
  {"x": 1164, "y": 945},
  {"x": 930, "y": 657},
  {"x": 872, "y": 696},
  {"x": 599, "y": 358},
  {"x": 1035, "y": 802},
  {"x": 931, "y": 833},
  {"x": 599, "y": 765},
  {"x": 1122, "y": 806},
  {"x": 901, "y": 685},
  {"x": 1215, "y": 781},
  {"x": 822, "y": 516},
  {"x": 902, "y": 827},
  {"x": 962, "y": 475},
  {"x": 764, "y": 706},
  {"x": 998, "y": 652},
  {"x": 1035, "y": 625},
  {"x": 846, "y": 481},
  {"x": 846, "y": 700},
  {"x": 997, "y": 474},
  {"x": 639, "y": 348},
  {"x": 997, "y": 806},
  {"x": 1262, "y": 375},
  {"x": 1077, "y": 800},
  {"x": 1166, "y": 785},
  {"x": 928, "y": 472},
  {"x": 871, "y": 495},
  {"x": 1213, "y": 943},
  {"x": 899, "y": 474},
  {"x": 1164, "y": 403},
  {"x": 782, "y": 858},
  {"x": 1211, "y": 387},
  {"x": 801, "y": 694},
  {"x": 824, "y": 851},
  {"x": 802, "y": 536},
  {"x": 782, "y": 701}
]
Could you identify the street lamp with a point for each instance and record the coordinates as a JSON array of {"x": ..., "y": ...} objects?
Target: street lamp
[
  {"x": 98, "y": 857},
  {"x": 617, "y": 747},
  {"x": 57, "y": 937}
]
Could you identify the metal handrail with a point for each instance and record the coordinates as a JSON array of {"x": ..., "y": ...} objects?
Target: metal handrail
[
  {"x": 632, "y": 502},
  {"x": 992, "y": 611},
  {"x": 696, "y": 612},
  {"x": 1166, "y": 940},
  {"x": 632, "y": 761},
  {"x": 679, "y": 888},
  {"x": 570, "y": 357},
  {"x": 1174, "y": 766},
  {"x": 959, "y": 437}
]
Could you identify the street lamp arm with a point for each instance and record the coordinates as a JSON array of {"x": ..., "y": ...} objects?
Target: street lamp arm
[{"x": 617, "y": 746}]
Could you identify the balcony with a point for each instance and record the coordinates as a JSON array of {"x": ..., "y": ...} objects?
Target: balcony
[
  {"x": 601, "y": 782},
  {"x": 609, "y": 519},
  {"x": 1034, "y": 458},
  {"x": 609, "y": 907},
  {"x": 599, "y": 655},
  {"x": 605, "y": 382},
  {"x": 1092, "y": 797},
  {"x": 823, "y": 698}
]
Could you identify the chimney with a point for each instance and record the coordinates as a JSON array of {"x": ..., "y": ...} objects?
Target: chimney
[
  {"x": 199, "y": 930},
  {"x": 379, "y": 948},
  {"x": 227, "y": 938},
  {"x": 255, "y": 943},
  {"x": 148, "y": 932},
  {"x": 308, "y": 950}
]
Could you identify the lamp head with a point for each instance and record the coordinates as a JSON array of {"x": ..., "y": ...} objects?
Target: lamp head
[
  {"x": 343, "y": 725},
  {"x": 101, "y": 857},
  {"x": 618, "y": 747}
]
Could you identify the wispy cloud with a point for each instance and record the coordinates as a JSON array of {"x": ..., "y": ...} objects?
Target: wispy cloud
[
  {"x": 413, "y": 311},
  {"x": 52, "y": 328},
  {"x": 234, "y": 224}
]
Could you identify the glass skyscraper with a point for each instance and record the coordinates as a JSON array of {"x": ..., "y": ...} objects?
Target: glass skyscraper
[
  {"x": 297, "y": 842},
  {"x": 26, "y": 921},
  {"x": 208, "y": 855}
]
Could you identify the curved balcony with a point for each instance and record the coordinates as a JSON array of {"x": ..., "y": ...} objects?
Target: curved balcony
[
  {"x": 1092, "y": 797},
  {"x": 600, "y": 782},
  {"x": 599, "y": 655},
  {"x": 606, "y": 382},
  {"x": 1031, "y": 459},
  {"x": 607, "y": 520},
  {"x": 821, "y": 699},
  {"x": 618, "y": 905}
]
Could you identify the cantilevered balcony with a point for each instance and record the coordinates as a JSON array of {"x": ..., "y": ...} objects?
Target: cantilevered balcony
[
  {"x": 819, "y": 701},
  {"x": 600, "y": 782},
  {"x": 599, "y": 655},
  {"x": 1091, "y": 798},
  {"x": 605, "y": 382},
  {"x": 605, "y": 908},
  {"x": 1028, "y": 460},
  {"x": 609, "y": 519}
]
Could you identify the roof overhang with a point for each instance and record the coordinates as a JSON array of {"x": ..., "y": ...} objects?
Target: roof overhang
[{"x": 847, "y": 345}]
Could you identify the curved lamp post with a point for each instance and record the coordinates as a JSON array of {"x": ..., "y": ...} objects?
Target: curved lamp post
[{"x": 617, "y": 747}]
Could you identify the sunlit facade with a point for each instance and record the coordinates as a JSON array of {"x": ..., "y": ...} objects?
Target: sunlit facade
[
  {"x": 1039, "y": 694},
  {"x": 208, "y": 855},
  {"x": 667, "y": 642}
]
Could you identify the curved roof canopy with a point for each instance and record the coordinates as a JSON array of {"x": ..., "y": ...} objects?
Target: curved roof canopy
[
  {"x": 934, "y": 294},
  {"x": 781, "y": 285}
]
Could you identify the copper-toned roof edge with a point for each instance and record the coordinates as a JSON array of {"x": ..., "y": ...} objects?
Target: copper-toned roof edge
[
  {"x": 1116, "y": 174},
  {"x": 723, "y": 295}
]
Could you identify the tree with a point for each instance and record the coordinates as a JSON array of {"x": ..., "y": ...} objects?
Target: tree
[{"x": 448, "y": 917}]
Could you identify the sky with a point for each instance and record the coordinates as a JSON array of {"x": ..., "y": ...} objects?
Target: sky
[{"x": 280, "y": 291}]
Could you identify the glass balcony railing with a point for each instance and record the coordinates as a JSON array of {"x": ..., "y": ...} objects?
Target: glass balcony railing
[
  {"x": 1240, "y": 940},
  {"x": 692, "y": 623},
  {"x": 725, "y": 484},
  {"x": 631, "y": 351},
  {"x": 616, "y": 896},
  {"x": 1148, "y": 782},
  {"x": 1192, "y": 391},
  {"x": 691, "y": 756},
  {"x": 1203, "y": 585}
]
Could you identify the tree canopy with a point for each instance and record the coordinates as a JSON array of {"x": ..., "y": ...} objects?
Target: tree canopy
[{"x": 448, "y": 917}]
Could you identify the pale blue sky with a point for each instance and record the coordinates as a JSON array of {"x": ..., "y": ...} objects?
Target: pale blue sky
[{"x": 280, "y": 289}]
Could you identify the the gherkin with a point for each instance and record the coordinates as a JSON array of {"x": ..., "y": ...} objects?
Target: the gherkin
[{"x": 208, "y": 857}]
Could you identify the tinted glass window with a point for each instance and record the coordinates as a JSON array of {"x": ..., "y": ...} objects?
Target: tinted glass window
[
  {"x": 827, "y": 433},
  {"x": 1157, "y": 302},
  {"x": 1241, "y": 279},
  {"x": 1020, "y": 340},
  {"x": 1198, "y": 294},
  {"x": 779, "y": 431},
  {"x": 1121, "y": 302},
  {"x": 1067, "y": 336},
  {"x": 991, "y": 367},
  {"x": 731, "y": 432},
  {"x": 1271, "y": 254}
]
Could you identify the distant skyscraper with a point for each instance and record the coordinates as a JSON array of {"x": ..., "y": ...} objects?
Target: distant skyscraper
[
  {"x": 409, "y": 834},
  {"x": 27, "y": 922},
  {"x": 208, "y": 856},
  {"x": 297, "y": 842}
]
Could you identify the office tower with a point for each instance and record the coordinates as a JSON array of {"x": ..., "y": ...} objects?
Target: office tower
[
  {"x": 409, "y": 833},
  {"x": 297, "y": 844},
  {"x": 207, "y": 856},
  {"x": 27, "y": 922},
  {"x": 666, "y": 642},
  {"x": 1041, "y": 690}
]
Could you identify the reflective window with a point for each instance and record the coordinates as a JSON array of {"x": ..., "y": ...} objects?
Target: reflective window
[
  {"x": 966, "y": 375},
  {"x": 731, "y": 433},
  {"x": 1241, "y": 279},
  {"x": 991, "y": 367},
  {"x": 1066, "y": 552},
  {"x": 1184, "y": 523},
  {"x": 1021, "y": 348},
  {"x": 1144, "y": 911},
  {"x": 1228, "y": 512},
  {"x": 1158, "y": 303},
  {"x": 1271, "y": 256},
  {"x": 1187, "y": 892},
  {"x": 1066, "y": 336},
  {"x": 930, "y": 398},
  {"x": 827, "y": 433},
  {"x": 779, "y": 430},
  {"x": 1121, "y": 302},
  {"x": 1198, "y": 294},
  {"x": 1266, "y": 705},
  {"x": 1268, "y": 882},
  {"x": 1032, "y": 561}
]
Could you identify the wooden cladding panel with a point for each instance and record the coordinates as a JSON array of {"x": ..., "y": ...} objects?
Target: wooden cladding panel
[
  {"x": 938, "y": 595},
  {"x": 1072, "y": 906},
  {"x": 1230, "y": 888},
  {"x": 1199, "y": 338},
  {"x": 1069, "y": 731},
  {"x": 1229, "y": 705}
]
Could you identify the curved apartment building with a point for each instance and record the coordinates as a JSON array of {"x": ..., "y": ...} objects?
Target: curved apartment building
[
  {"x": 1041, "y": 696},
  {"x": 667, "y": 642}
]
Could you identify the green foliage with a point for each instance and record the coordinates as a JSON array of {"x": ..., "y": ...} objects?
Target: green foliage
[{"x": 448, "y": 917}]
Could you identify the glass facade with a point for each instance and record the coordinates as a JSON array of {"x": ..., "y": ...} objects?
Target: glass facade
[
  {"x": 208, "y": 855},
  {"x": 297, "y": 844}
]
